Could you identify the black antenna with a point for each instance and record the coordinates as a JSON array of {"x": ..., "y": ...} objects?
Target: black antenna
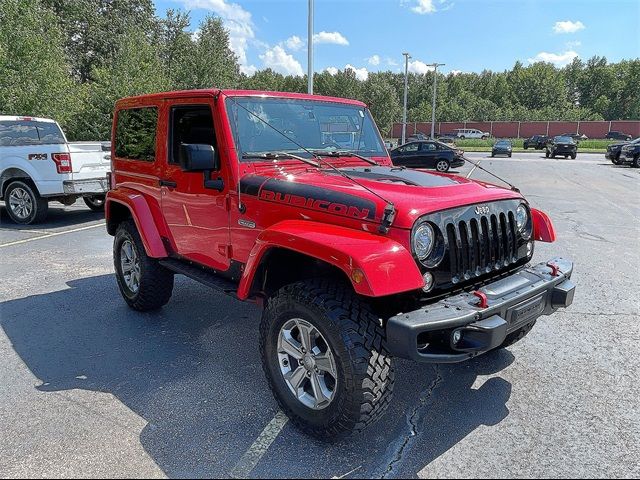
[
  {"x": 389, "y": 211},
  {"x": 477, "y": 165}
]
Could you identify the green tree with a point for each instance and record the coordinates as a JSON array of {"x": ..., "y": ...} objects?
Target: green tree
[
  {"x": 34, "y": 72},
  {"x": 383, "y": 101}
]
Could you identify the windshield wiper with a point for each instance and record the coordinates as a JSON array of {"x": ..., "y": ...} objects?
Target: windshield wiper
[
  {"x": 279, "y": 155},
  {"x": 343, "y": 153}
]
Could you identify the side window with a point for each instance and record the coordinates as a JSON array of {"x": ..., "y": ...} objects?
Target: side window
[
  {"x": 428, "y": 147},
  {"x": 412, "y": 147},
  {"x": 14, "y": 134},
  {"x": 190, "y": 124},
  {"x": 50, "y": 133},
  {"x": 136, "y": 134}
]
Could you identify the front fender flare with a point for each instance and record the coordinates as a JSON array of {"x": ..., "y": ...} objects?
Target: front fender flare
[
  {"x": 142, "y": 216},
  {"x": 388, "y": 267},
  {"x": 543, "y": 230}
]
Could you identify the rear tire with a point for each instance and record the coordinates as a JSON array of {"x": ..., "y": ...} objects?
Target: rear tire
[
  {"x": 24, "y": 204},
  {"x": 144, "y": 283},
  {"x": 636, "y": 161},
  {"x": 95, "y": 202},
  {"x": 340, "y": 327}
]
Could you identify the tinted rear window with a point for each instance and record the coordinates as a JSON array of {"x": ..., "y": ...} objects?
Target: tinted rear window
[
  {"x": 136, "y": 134},
  {"x": 18, "y": 133}
]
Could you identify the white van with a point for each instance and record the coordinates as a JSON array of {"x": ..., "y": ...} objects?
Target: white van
[
  {"x": 463, "y": 133},
  {"x": 38, "y": 165}
]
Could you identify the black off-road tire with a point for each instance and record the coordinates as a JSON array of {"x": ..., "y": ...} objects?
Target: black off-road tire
[
  {"x": 156, "y": 282},
  {"x": 39, "y": 205},
  {"x": 95, "y": 202},
  {"x": 573, "y": 156},
  {"x": 518, "y": 335},
  {"x": 365, "y": 369}
]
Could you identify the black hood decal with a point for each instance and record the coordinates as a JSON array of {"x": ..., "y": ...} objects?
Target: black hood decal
[
  {"x": 308, "y": 197},
  {"x": 400, "y": 175}
]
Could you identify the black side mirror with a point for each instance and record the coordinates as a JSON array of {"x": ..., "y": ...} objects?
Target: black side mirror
[{"x": 198, "y": 157}]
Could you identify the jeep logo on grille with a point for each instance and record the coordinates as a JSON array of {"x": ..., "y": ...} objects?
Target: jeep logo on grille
[{"x": 482, "y": 210}]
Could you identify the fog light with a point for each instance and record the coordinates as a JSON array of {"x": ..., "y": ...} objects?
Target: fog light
[
  {"x": 529, "y": 249},
  {"x": 456, "y": 337},
  {"x": 428, "y": 282}
]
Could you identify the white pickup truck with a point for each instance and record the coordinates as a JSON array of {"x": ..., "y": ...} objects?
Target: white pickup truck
[{"x": 38, "y": 165}]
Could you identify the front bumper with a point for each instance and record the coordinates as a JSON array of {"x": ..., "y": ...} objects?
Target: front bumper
[
  {"x": 85, "y": 187},
  {"x": 426, "y": 335}
]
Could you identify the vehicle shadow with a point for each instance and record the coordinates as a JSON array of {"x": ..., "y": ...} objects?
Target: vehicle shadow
[
  {"x": 57, "y": 217},
  {"x": 192, "y": 372}
]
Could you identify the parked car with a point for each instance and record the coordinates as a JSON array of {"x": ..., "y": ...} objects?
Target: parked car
[
  {"x": 463, "y": 133},
  {"x": 502, "y": 147},
  {"x": 630, "y": 153},
  {"x": 614, "y": 151},
  {"x": 616, "y": 135},
  {"x": 417, "y": 137},
  {"x": 539, "y": 142},
  {"x": 38, "y": 165},
  {"x": 353, "y": 260},
  {"x": 577, "y": 137},
  {"x": 427, "y": 154},
  {"x": 450, "y": 141},
  {"x": 561, "y": 145}
]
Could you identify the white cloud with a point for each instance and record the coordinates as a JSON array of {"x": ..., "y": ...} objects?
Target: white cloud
[
  {"x": 236, "y": 20},
  {"x": 419, "y": 67},
  {"x": 568, "y": 26},
  {"x": 248, "y": 70},
  {"x": 335, "y": 38},
  {"x": 456, "y": 72},
  {"x": 361, "y": 73},
  {"x": 294, "y": 43},
  {"x": 374, "y": 60},
  {"x": 572, "y": 45},
  {"x": 331, "y": 70},
  {"x": 424, "y": 7},
  {"x": 558, "y": 59},
  {"x": 279, "y": 60},
  {"x": 391, "y": 62}
]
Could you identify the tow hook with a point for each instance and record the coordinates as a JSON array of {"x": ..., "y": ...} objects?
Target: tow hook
[
  {"x": 483, "y": 303},
  {"x": 555, "y": 271}
]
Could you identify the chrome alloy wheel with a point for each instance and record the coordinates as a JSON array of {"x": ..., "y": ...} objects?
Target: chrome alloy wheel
[
  {"x": 130, "y": 266},
  {"x": 307, "y": 364},
  {"x": 442, "y": 166},
  {"x": 20, "y": 203}
]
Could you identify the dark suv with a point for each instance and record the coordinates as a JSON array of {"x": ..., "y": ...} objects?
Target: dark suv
[
  {"x": 615, "y": 135},
  {"x": 427, "y": 154},
  {"x": 561, "y": 146},
  {"x": 537, "y": 141}
]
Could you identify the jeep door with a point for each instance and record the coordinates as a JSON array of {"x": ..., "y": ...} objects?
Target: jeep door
[{"x": 197, "y": 216}]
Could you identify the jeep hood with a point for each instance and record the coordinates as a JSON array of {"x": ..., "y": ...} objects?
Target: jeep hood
[{"x": 414, "y": 193}]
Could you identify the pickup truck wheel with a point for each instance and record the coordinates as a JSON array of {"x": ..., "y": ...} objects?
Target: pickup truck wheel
[
  {"x": 24, "y": 204},
  {"x": 573, "y": 156},
  {"x": 442, "y": 166},
  {"x": 95, "y": 202},
  {"x": 323, "y": 352},
  {"x": 518, "y": 335},
  {"x": 143, "y": 282}
]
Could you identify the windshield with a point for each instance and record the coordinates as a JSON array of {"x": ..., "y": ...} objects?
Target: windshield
[
  {"x": 503, "y": 143},
  {"x": 564, "y": 139},
  {"x": 262, "y": 125}
]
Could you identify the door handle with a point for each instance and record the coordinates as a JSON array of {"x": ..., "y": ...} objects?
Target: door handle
[{"x": 168, "y": 183}]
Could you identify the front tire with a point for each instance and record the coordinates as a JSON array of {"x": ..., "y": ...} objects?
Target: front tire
[
  {"x": 24, "y": 204},
  {"x": 144, "y": 283},
  {"x": 636, "y": 161},
  {"x": 95, "y": 202},
  {"x": 547, "y": 154},
  {"x": 616, "y": 159},
  {"x": 443, "y": 166},
  {"x": 573, "y": 156},
  {"x": 324, "y": 354}
]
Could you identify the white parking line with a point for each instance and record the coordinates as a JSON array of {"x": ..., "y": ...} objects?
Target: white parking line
[
  {"x": 256, "y": 451},
  {"x": 48, "y": 235}
]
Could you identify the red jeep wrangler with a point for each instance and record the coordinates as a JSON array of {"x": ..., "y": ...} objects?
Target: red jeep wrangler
[{"x": 292, "y": 201}]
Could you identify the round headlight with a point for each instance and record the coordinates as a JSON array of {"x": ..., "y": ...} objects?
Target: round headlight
[
  {"x": 522, "y": 217},
  {"x": 423, "y": 240}
]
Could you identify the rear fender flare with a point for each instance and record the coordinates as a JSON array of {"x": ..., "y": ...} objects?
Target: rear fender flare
[
  {"x": 388, "y": 267},
  {"x": 142, "y": 216}
]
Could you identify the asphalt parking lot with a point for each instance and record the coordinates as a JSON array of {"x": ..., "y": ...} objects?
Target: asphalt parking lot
[{"x": 91, "y": 388}]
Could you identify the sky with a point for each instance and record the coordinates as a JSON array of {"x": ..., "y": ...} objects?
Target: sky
[{"x": 465, "y": 35}]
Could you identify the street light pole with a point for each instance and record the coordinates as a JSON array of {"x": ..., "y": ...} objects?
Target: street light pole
[
  {"x": 433, "y": 108},
  {"x": 310, "y": 49},
  {"x": 406, "y": 87}
]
